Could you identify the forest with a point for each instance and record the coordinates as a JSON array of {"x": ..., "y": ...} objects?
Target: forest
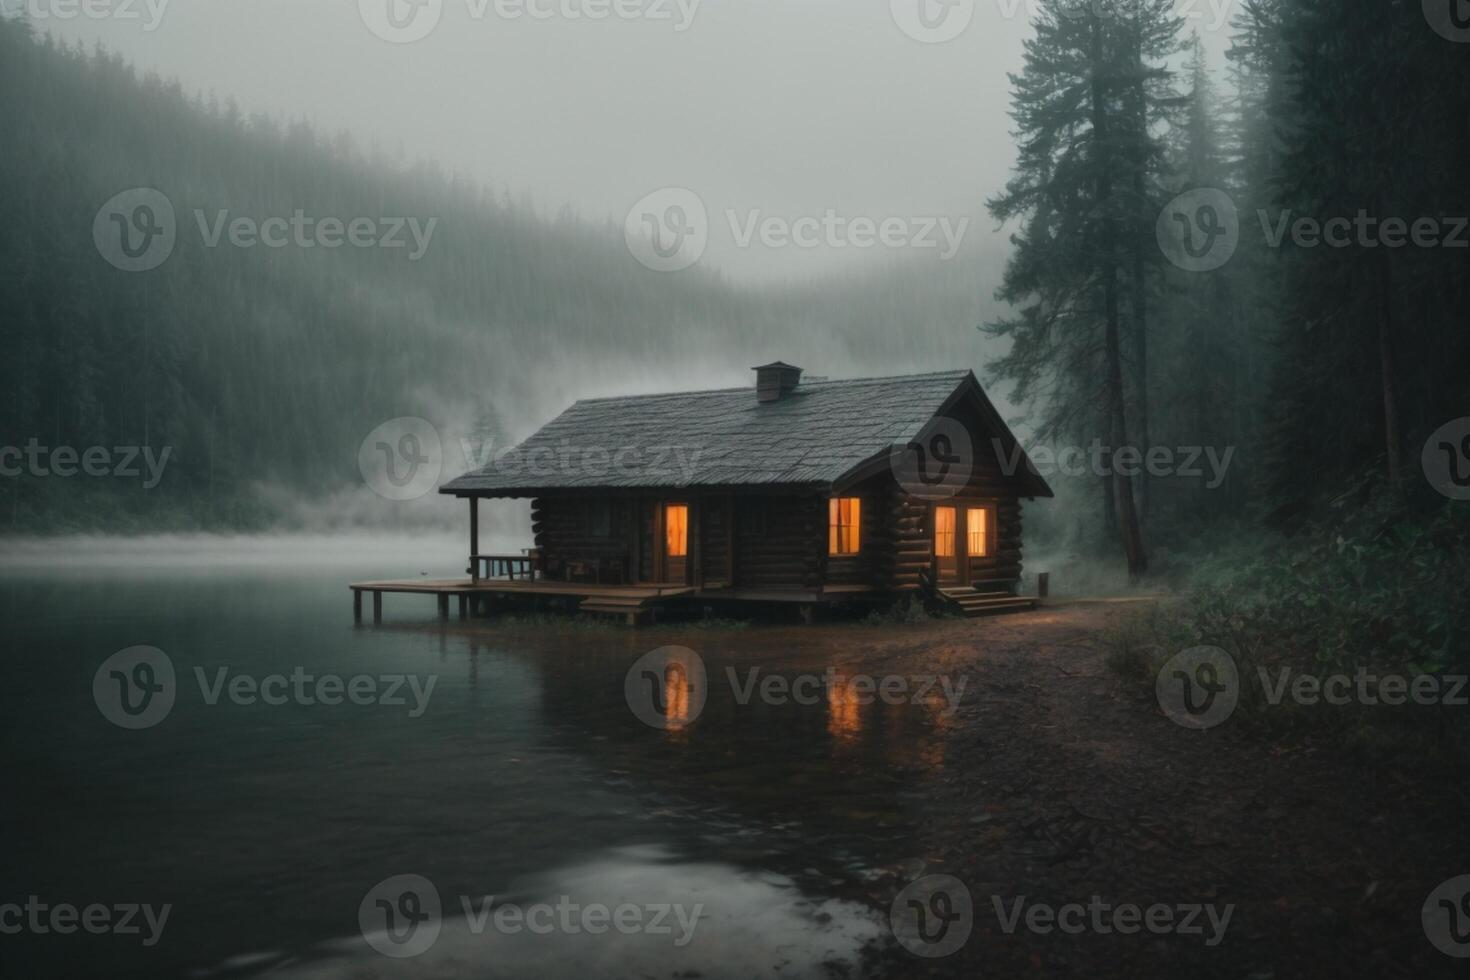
[
  {"x": 855, "y": 721},
  {"x": 1162, "y": 288},
  {"x": 262, "y": 369},
  {"x": 1278, "y": 265}
]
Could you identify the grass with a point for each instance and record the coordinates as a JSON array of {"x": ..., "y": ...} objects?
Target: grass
[{"x": 1380, "y": 589}]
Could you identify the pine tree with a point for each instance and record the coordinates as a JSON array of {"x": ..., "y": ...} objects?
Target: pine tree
[
  {"x": 1205, "y": 347},
  {"x": 1085, "y": 108},
  {"x": 1370, "y": 113}
]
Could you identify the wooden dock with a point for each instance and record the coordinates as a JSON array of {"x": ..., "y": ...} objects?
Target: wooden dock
[{"x": 632, "y": 602}]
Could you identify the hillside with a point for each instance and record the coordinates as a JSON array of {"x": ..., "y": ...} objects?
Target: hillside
[{"x": 262, "y": 368}]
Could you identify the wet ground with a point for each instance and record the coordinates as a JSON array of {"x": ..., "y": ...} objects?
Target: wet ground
[
  {"x": 1063, "y": 783},
  {"x": 768, "y": 826}
]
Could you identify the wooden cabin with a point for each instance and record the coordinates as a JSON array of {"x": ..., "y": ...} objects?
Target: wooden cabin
[{"x": 790, "y": 490}]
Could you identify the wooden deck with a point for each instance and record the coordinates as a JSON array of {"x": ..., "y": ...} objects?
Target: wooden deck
[
  {"x": 632, "y": 602},
  {"x": 626, "y": 600}
]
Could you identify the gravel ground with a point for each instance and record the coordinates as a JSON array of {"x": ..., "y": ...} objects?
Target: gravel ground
[{"x": 1063, "y": 782}]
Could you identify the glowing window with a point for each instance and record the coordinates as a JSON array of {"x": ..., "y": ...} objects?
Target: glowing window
[
  {"x": 844, "y": 517},
  {"x": 944, "y": 520},
  {"x": 978, "y": 530},
  {"x": 676, "y": 530}
]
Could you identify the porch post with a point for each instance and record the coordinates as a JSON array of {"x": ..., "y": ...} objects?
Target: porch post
[
  {"x": 474, "y": 540},
  {"x": 660, "y": 547},
  {"x": 695, "y": 549},
  {"x": 730, "y": 541},
  {"x": 962, "y": 541},
  {"x": 635, "y": 574}
]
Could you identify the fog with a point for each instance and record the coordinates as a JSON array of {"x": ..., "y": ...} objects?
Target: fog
[
  {"x": 267, "y": 368},
  {"x": 763, "y": 108},
  {"x": 818, "y": 664}
]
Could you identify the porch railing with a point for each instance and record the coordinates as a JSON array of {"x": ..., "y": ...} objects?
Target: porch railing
[{"x": 523, "y": 567}]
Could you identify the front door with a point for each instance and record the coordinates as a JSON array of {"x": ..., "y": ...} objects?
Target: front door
[
  {"x": 946, "y": 539},
  {"x": 676, "y": 542}
]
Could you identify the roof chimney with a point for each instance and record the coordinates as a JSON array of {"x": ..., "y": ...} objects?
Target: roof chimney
[{"x": 773, "y": 381}]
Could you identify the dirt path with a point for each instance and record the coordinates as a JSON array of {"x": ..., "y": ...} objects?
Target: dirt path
[{"x": 1063, "y": 782}]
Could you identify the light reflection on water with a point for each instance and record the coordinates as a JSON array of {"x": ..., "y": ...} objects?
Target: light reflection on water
[
  {"x": 727, "y": 923},
  {"x": 265, "y": 826}
]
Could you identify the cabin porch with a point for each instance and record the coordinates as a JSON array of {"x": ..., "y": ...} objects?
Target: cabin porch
[
  {"x": 630, "y": 601},
  {"x": 633, "y": 603}
]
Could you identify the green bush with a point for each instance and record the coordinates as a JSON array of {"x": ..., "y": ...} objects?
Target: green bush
[{"x": 1379, "y": 588}]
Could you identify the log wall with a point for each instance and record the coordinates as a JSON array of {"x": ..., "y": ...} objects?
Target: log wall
[
  {"x": 780, "y": 541},
  {"x": 791, "y": 552},
  {"x": 563, "y": 529}
]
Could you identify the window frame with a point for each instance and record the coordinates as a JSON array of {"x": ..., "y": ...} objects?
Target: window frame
[
  {"x": 988, "y": 511},
  {"x": 953, "y": 533},
  {"x": 683, "y": 551},
  {"x": 838, "y": 545}
]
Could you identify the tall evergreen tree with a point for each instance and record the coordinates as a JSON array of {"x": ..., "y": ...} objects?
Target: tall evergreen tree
[
  {"x": 1085, "y": 108},
  {"x": 1371, "y": 117},
  {"x": 1202, "y": 392}
]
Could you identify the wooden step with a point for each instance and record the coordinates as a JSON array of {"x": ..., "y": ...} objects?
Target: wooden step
[
  {"x": 993, "y": 607},
  {"x": 973, "y": 596},
  {"x": 970, "y": 601}
]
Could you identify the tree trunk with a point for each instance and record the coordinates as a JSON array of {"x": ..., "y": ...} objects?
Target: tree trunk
[
  {"x": 1140, "y": 370},
  {"x": 1112, "y": 345},
  {"x": 1391, "y": 441},
  {"x": 1140, "y": 236},
  {"x": 1127, "y": 510}
]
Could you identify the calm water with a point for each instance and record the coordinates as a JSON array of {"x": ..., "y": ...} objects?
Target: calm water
[{"x": 526, "y": 777}]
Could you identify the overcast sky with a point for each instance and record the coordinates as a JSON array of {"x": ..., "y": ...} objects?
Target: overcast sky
[{"x": 769, "y": 108}]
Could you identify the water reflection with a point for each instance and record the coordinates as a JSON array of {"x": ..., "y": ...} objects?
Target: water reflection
[
  {"x": 676, "y": 696},
  {"x": 718, "y": 922},
  {"x": 528, "y": 759},
  {"x": 844, "y": 717}
]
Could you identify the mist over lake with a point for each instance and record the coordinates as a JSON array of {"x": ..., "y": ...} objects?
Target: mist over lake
[{"x": 667, "y": 489}]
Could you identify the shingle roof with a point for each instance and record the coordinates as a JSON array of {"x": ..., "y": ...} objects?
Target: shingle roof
[{"x": 816, "y": 434}]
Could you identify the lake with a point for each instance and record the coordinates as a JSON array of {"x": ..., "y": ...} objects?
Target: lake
[{"x": 317, "y": 790}]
